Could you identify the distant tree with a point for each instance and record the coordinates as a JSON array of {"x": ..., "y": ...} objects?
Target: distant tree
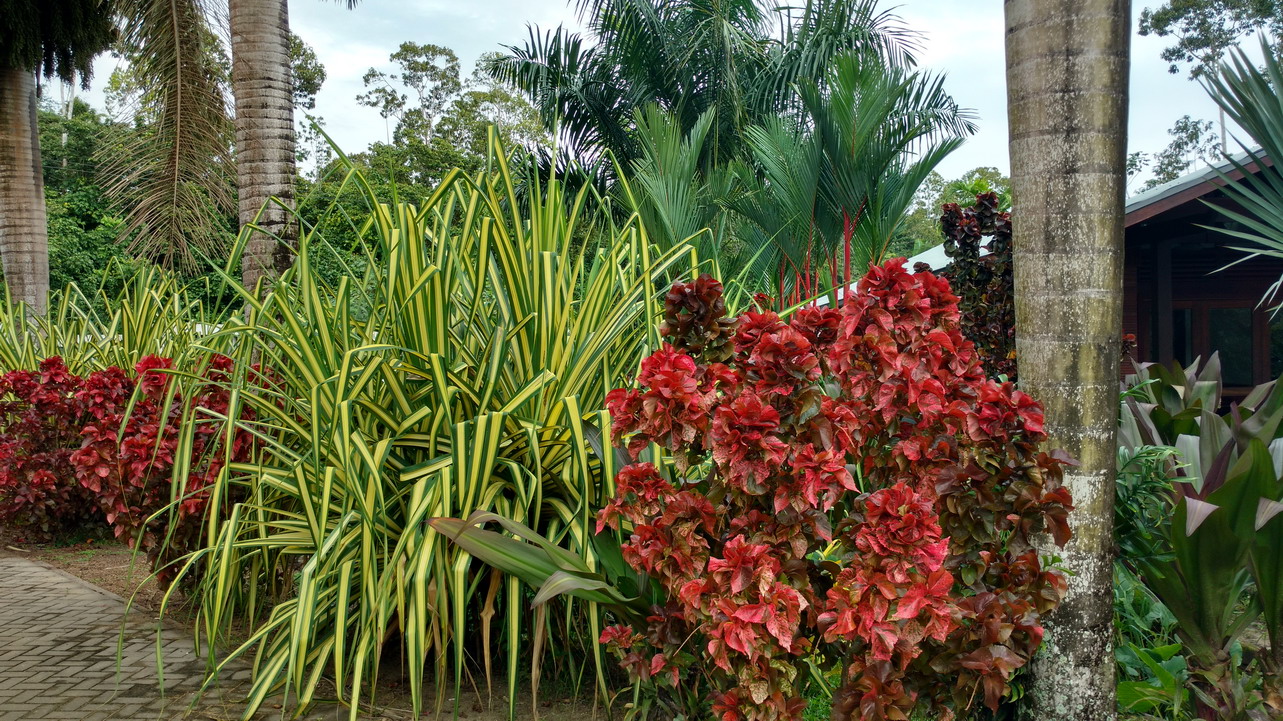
[
  {"x": 53, "y": 38},
  {"x": 1205, "y": 29},
  {"x": 962, "y": 191},
  {"x": 1193, "y": 141},
  {"x": 441, "y": 120},
  {"x": 308, "y": 75}
]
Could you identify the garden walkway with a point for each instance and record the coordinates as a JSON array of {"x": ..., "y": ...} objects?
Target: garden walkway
[{"x": 58, "y": 656}]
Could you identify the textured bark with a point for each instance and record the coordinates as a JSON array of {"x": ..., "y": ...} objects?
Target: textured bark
[
  {"x": 24, "y": 234},
  {"x": 1067, "y": 72},
  {"x": 264, "y": 133}
]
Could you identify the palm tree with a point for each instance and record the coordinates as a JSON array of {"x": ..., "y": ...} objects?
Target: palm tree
[
  {"x": 873, "y": 137},
  {"x": 263, "y": 90},
  {"x": 265, "y": 146},
  {"x": 689, "y": 57},
  {"x": 55, "y": 38},
  {"x": 1067, "y": 67}
]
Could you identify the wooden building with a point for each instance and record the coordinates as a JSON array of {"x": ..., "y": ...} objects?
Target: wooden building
[{"x": 1181, "y": 299}]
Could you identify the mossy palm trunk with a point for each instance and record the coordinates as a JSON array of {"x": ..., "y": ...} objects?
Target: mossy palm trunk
[
  {"x": 263, "y": 88},
  {"x": 1067, "y": 72},
  {"x": 24, "y": 238}
]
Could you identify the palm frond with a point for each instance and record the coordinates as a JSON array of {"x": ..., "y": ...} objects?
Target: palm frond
[
  {"x": 172, "y": 177},
  {"x": 1250, "y": 97}
]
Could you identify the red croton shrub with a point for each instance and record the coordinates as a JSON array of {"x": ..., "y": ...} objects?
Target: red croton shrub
[
  {"x": 40, "y": 419},
  {"x": 76, "y": 449},
  {"x": 131, "y": 443},
  {"x": 844, "y": 492}
]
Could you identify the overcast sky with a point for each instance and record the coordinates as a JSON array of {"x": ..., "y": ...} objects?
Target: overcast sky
[{"x": 962, "y": 39}]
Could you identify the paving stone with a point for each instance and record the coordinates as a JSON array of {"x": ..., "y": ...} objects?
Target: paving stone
[{"x": 59, "y": 637}]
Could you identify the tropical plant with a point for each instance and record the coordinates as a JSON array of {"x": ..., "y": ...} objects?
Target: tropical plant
[
  {"x": 805, "y": 509},
  {"x": 59, "y": 38},
  {"x": 689, "y": 57},
  {"x": 171, "y": 177},
  {"x": 1250, "y": 98},
  {"x": 1216, "y": 565},
  {"x": 460, "y": 371},
  {"x": 831, "y": 189},
  {"x": 985, "y": 284},
  {"x": 1068, "y": 140},
  {"x": 155, "y": 313}
]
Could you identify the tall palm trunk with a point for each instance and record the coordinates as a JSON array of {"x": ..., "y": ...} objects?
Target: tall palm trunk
[
  {"x": 24, "y": 234},
  {"x": 264, "y": 132},
  {"x": 1067, "y": 67}
]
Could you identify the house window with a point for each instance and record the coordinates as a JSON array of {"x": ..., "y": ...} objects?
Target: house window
[
  {"x": 1238, "y": 332},
  {"x": 1230, "y": 332},
  {"x": 1276, "y": 346},
  {"x": 1183, "y": 335}
]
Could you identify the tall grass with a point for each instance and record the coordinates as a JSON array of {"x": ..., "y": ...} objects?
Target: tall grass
[{"x": 461, "y": 369}]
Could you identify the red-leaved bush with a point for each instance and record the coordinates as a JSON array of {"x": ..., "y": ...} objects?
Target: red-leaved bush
[
  {"x": 130, "y": 445},
  {"x": 76, "y": 449},
  {"x": 845, "y": 492},
  {"x": 40, "y": 419}
]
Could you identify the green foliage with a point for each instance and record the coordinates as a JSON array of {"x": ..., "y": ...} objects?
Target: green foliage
[
  {"x": 441, "y": 121},
  {"x": 57, "y": 38},
  {"x": 457, "y": 372},
  {"x": 739, "y": 59},
  {"x": 1215, "y": 567},
  {"x": 1143, "y": 497},
  {"x": 83, "y": 244},
  {"x": 1205, "y": 29},
  {"x": 1193, "y": 141}
]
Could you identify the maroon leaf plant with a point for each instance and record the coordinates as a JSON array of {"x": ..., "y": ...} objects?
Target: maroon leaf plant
[{"x": 841, "y": 496}]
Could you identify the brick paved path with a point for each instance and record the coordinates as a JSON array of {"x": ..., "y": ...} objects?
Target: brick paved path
[{"x": 58, "y": 649}]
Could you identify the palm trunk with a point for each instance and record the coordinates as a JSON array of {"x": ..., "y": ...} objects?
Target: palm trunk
[
  {"x": 264, "y": 133},
  {"x": 24, "y": 233},
  {"x": 1067, "y": 71}
]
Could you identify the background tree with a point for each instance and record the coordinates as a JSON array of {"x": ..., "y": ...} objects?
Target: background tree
[
  {"x": 1193, "y": 141},
  {"x": 1205, "y": 29},
  {"x": 440, "y": 120},
  {"x": 1067, "y": 73},
  {"x": 308, "y": 75},
  {"x": 56, "y": 38}
]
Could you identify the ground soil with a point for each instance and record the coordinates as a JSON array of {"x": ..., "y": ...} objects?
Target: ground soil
[{"x": 112, "y": 566}]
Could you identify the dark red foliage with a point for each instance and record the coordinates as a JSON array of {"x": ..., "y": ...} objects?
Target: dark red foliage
[
  {"x": 74, "y": 450},
  {"x": 984, "y": 283},
  {"x": 40, "y": 418},
  {"x": 846, "y": 490},
  {"x": 128, "y": 452}
]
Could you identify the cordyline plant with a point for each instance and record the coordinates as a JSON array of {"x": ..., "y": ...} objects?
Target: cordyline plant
[
  {"x": 983, "y": 283},
  {"x": 843, "y": 496}
]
